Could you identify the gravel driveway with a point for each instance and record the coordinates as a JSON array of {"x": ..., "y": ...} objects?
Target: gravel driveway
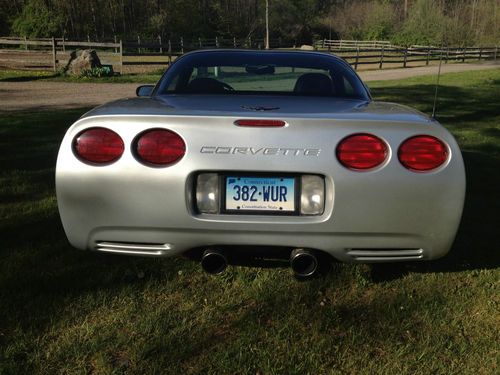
[{"x": 43, "y": 95}]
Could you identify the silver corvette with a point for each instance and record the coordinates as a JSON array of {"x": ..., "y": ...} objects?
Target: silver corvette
[{"x": 257, "y": 157}]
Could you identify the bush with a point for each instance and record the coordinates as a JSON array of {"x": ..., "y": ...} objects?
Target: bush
[
  {"x": 103, "y": 71},
  {"x": 426, "y": 24},
  {"x": 380, "y": 22},
  {"x": 364, "y": 20},
  {"x": 37, "y": 20}
]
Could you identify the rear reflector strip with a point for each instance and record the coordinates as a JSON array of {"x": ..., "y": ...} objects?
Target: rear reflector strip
[
  {"x": 260, "y": 123},
  {"x": 385, "y": 255},
  {"x": 133, "y": 248}
]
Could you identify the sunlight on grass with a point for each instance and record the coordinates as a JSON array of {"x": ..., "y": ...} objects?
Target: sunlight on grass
[{"x": 33, "y": 75}]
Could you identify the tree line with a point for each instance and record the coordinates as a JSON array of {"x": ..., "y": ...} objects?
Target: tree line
[{"x": 405, "y": 22}]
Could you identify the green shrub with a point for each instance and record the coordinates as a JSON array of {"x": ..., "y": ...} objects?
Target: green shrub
[
  {"x": 380, "y": 22},
  {"x": 426, "y": 24},
  {"x": 37, "y": 20},
  {"x": 96, "y": 72}
]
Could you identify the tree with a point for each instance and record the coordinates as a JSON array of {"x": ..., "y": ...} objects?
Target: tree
[
  {"x": 454, "y": 22},
  {"x": 426, "y": 24},
  {"x": 37, "y": 20}
]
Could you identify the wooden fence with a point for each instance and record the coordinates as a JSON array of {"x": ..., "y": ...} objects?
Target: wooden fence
[
  {"x": 383, "y": 53},
  {"x": 163, "y": 52},
  {"x": 342, "y": 43},
  {"x": 130, "y": 52}
]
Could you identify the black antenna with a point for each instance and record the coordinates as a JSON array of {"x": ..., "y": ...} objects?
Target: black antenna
[{"x": 437, "y": 84}]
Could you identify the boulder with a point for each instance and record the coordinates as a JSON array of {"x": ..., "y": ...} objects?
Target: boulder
[
  {"x": 307, "y": 47},
  {"x": 81, "y": 60}
]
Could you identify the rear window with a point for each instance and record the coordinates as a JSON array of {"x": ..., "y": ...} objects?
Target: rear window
[{"x": 261, "y": 73}]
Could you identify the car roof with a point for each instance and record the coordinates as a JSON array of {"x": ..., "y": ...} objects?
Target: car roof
[{"x": 270, "y": 51}]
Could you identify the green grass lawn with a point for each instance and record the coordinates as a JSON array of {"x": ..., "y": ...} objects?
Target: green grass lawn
[
  {"x": 31, "y": 75},
  {"x": 72, "y": 312}
]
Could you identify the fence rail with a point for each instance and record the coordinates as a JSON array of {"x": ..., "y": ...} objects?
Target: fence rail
[
  {"x": 163, "y": 52},
  {"x": 342, "y": 43},
  {"x": 379, "y": 53}
]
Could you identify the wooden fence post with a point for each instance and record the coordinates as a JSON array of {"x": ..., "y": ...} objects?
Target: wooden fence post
[
  {"x": 357, "y": 59},
  {"x": 216, "y": 42},
  {"x": 169, "y": 52},
  {"x": 182, "y": 45},
  {"x": 480, "y": 53},
  {"x": 199, "y": 42},
  {"x": 54, "y": 54},
  {"x": 234, "y": 41},
  {"x": 25, "y": 43},
  {"x": 447, "y": 55},
  {"x": 428, "y": 55},
  {"x": 114, "y": 38},
  {"x": 121, "y": 57},
  {"x": 463, "y": 56},
  {"x": 381, "y": 58},
  {"x": 63, "y": 44},
  {"x": 159, "y": 41},
  {"x": 138, "y": 44},
  {"x": 496, "y": 52},
  {"x": 405, "y": 57}
]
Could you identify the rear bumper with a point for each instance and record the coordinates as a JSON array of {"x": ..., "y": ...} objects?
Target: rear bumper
[{"x": 345, "y": 247}]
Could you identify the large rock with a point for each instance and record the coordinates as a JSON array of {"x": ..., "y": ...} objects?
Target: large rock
[
  {"x": 307, "y": 47},
  {"x": 81, "y": 60}
]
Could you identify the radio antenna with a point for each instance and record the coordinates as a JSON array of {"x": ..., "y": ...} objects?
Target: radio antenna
[{"x": 437, "y": 84}]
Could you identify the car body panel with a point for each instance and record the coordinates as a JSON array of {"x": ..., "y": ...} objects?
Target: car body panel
[{"x": 279, "y": 106}]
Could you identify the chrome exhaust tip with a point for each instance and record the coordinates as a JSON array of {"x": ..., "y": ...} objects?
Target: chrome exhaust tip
[
  {"x": 213, "y": 262},
  {"x": 303, "y": 262}
]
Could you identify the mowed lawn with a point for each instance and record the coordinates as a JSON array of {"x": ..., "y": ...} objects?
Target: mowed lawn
[{"x": 72, "y": 312}]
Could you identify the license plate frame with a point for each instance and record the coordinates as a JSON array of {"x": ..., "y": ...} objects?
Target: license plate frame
[{"x": 296, "y": 197}]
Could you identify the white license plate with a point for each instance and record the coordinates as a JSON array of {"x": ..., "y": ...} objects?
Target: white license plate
[{"x": 260, "y": 194}]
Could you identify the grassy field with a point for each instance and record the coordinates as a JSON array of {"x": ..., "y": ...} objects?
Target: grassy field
[
  {"x": 71, "y": 312},
  {"x": 30, "y": 75}
]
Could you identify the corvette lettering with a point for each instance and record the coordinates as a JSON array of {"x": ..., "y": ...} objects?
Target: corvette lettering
[{"x": 272, "y": 151}]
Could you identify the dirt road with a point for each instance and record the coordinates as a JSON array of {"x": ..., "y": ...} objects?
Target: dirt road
[
  {"x": 43, "y": 95},
  {"x": 388, "y": 74}
]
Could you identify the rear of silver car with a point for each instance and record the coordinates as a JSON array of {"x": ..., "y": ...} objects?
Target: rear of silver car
[{"x": 385, "y": 214}]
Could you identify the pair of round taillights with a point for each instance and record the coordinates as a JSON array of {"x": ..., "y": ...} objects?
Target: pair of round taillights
[
  {"x": 157, "y": 147},
  {"x": 364, "y": 152},
  {"x": 162, "y": 147}
]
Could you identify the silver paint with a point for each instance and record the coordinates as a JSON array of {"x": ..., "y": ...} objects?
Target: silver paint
[{"x": 387, "y": 214}]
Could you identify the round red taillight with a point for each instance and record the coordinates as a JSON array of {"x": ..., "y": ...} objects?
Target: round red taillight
[
  {"x": 160, "y": 147},
  {"x": 98, "y": 145},
  {"x": 361, "y": 152},
  {"x": 422, "y": 153}
]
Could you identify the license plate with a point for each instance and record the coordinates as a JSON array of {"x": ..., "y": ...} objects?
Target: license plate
[{"x": 276, "y": 194}]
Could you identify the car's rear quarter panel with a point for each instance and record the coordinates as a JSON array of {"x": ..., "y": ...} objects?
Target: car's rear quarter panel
[{"x": 389, "y": 207}]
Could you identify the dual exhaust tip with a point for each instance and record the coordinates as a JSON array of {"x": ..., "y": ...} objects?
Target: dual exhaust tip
[
  {"x": 213, "y": 262},
  {"x": 304, "y": 263}
]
